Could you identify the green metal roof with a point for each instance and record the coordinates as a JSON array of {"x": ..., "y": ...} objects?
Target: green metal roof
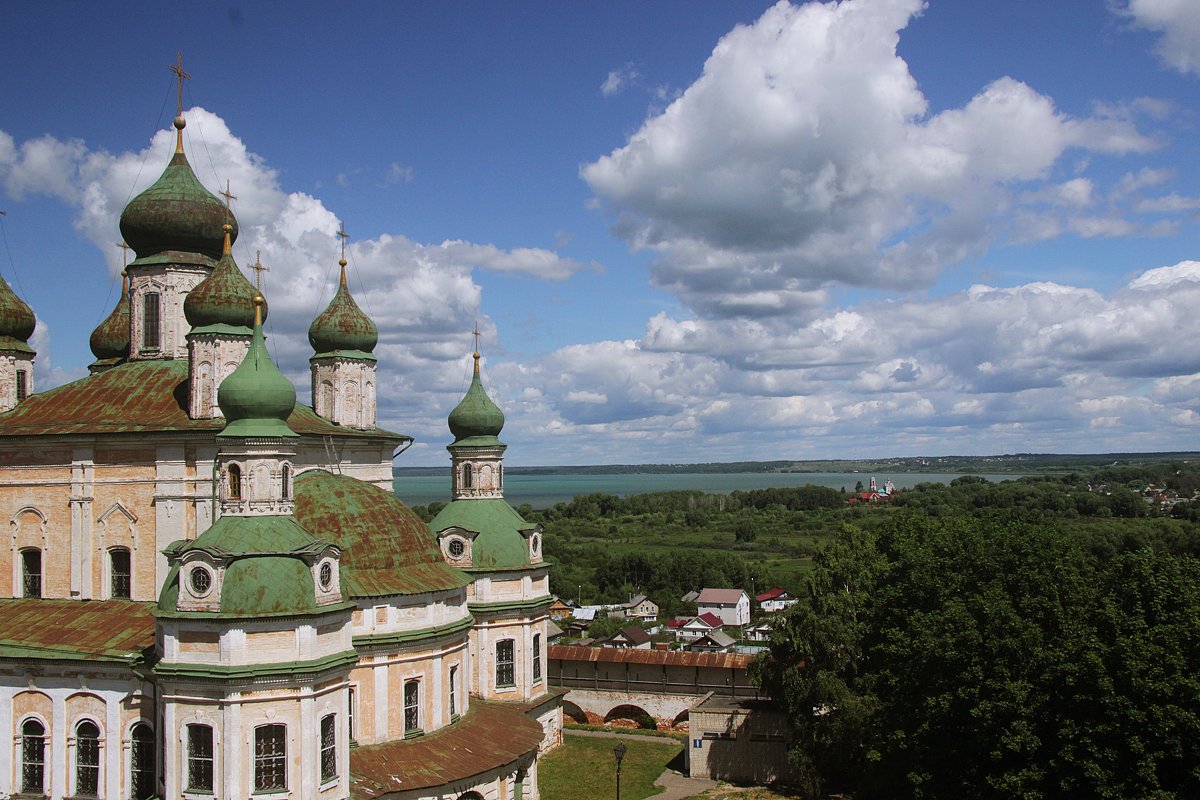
[
  {"x": 342, "y": 326},
  {"x": 386, "y": 548},
  {"x": 266, "y": 572},
  {"x": 110, "y": 339},
  {"x": 498, "y": 542},
  {"x": 225, "y": 297},
  {"x": 16, "y": 320},
  {"x": 257, "y": 398},
  {"x": 176, "y": 213},
  {"x": 476, "y": 420}
]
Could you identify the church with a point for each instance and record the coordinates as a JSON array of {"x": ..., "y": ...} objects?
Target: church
[{"x": 212, "y": 591}]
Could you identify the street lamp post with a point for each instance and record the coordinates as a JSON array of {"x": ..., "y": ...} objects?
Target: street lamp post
[{"x": 619, "y": 753}]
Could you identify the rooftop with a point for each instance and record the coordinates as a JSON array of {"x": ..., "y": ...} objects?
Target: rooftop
[
  {"x": 76, "y": 630},
  {"x": 139, "y": 397},
  {"x": 669, "y": 658},
  {"x": 490, "y": 735}
]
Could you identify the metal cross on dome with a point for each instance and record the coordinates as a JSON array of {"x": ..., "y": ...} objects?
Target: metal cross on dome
[
  {"x": 341, "y": 234},
  {"x": 229, "y": 196},
  {"x": 259, "y": 269},
  {"x": 124, "y": 254},
  {"x": 475, "y": 333},
  {"x": 177, "y": 68}
]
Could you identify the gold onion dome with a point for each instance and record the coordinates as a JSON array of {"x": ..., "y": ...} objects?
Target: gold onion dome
[
  {"x": 176, "y": 214},
  {"x": 256, "y": 399},
  {"x": 111, "y": 338},
  {"x": 476, "y": 420},
  {"x": 225, "y": 297},
  {"x": 17, "y": 321},
  {"x": 343, "y": 326}
]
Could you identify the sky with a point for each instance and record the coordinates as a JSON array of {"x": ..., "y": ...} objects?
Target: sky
[{"x": 688, "y": 232}]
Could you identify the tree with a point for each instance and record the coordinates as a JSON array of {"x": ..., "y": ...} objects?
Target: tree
[{"x": 973, "y": 658}]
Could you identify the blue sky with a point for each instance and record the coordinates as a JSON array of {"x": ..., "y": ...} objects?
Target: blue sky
[{"x": 689, "y": 231}]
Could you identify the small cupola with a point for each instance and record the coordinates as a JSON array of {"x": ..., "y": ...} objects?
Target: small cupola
[
  {"x": 476, "y": 420},
  {"x": 176, "y": 214},
  {"x": 257, "y": 399},
  {"x": 343, "y": 327},
  {"x": 110, "y": 339},
  {"x": 17, "y": 324},
  {"x": 225, "y": 299},
  {"x": 342, "y": 365}
]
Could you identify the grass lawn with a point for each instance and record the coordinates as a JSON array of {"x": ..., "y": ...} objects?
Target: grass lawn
[{"x": 584, "y": 769}]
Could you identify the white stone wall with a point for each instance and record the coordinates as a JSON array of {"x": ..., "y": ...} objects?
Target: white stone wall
[
  {"x": 9, "y": 364},
  {"x": 211, "y": 358},
  {"x": 113, "y": 698},
  {"x": 172, "y": 283},
  {"x": 343, "y": 391}
]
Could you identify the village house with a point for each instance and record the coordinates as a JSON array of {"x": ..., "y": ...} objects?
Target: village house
[
  {"x": 732, "y": 606},
  {"x": 774, "y": 600}
]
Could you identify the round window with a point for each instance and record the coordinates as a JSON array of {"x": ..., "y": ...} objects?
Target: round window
[
  {"x": 200, "y": 580},
  {"x": 457, "y": 548},
  {"x": 326, "y": 576}
]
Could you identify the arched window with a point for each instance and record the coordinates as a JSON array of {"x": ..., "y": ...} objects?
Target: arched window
[
  {"x": 235, "y": 482},
  {"x": 466, "y": 476},
  {"x": 151, "y": 322},
  {"x": 505, "y": 657},
  {"x": 270, "y": 758},
  {"x": 453, "y": 691},
  {"x": 22, "y": 385},
  {"x": 87, "y": 759},
  {"x": 142, "y": 772},
  {"x": 287, "y": 479},
  {"x": 537, "y": 657},
  {"x": 412, "y": 707},
  {"x": 200, "y": 757},
  {"x": 31, "y": 572},
  {"x": 33, "y": 757},
  {"x": 119, "y": 572},
  {"x": 328, "y": 747},
  {"x": 500, "y": 476}
]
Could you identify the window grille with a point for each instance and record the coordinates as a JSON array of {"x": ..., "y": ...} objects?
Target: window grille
[
  {"x": 328, "y": 748},
  {"x": 120, "y": 573},
  {"x": 235, "y": 482},
  {"x": 31, "y": 572},
  {"x": 412, "y": 706},
  {"x": 537, "y": 657},
  {"x": 22, "y": 386},
  {"x": 87, "y": 759},
  {"x": 287, "y": 476},
  {"x": 453, "y": 691},
  {"x": 151, "y": 322},
  {"x": 33, "y": 757},
  {"x": 270, "y": 758},
  {"x": 466, "y": 476},
  {"x": 505, "y": 675},
  {"x": 200, "y": 758},
  {"x": 350, "y": 717},
  {"x": 141, "y": 763}
]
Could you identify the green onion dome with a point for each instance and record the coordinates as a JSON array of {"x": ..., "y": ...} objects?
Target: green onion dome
[
  {"x": 343, "y": 326},
  {"x": 176, "y": 213},
  {"x": 111, "y": 338},
  {"x": 256, "y": 399},
  {"x": 476, "y": 420},
  {"x": 16, "y": 321},
  {"x": 225, "y": 297}
]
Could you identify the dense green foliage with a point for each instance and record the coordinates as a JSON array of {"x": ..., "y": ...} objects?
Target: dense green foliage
[{"x": 975, "y": 657}]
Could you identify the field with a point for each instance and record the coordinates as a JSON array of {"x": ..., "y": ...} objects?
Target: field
[{"x": 583, "y": 768}]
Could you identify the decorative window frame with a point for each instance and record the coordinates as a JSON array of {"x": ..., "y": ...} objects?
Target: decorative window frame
[
  {"x": 19, "y": 757},
  {"x": 456, "y": 534},
  {"x": 129, "y": 744},
  {"x": 185, "y": 752},
  {"x": 73, "y": 764}
]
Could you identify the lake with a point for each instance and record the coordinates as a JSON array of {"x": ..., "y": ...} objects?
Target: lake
[{"x": 543, "y": 491}]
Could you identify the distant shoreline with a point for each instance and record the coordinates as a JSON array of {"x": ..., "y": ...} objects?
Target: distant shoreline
[{"x": 1015, "y": 463}]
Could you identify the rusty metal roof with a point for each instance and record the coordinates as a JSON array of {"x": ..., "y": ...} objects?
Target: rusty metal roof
[
  {"x": 92, "y": 630},
  {"x": 490, "y": 735},
  {"x": 386, "y": 548},
  {"x": 668, "y": 658},
  {"x": 138, "y": 397}
]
